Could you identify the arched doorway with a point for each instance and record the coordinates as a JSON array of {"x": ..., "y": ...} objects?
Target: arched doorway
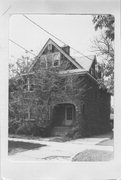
[{"x": 63, "y": 114}]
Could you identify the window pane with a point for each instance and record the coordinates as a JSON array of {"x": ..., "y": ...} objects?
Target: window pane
[
  {"x": 42, "y": 62},
  {"x": 56, "y": 63},
  {"x": 69, "y": 113},
  {"x": 49, "y": 60},
  {"x": 56, "y": 59}
]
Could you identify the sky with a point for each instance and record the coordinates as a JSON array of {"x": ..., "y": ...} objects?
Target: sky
[{"x": 76, "y": 31}]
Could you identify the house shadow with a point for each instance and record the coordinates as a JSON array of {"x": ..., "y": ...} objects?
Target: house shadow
[{"x": 17, "y": 147}]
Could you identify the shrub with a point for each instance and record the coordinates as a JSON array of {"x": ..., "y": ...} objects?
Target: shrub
[
  {"x": 78, "y": 132},
  {"x": 24, "y": 129},
  {"x": 35, "y": 129},
  {"x": 13, "y": 125}
]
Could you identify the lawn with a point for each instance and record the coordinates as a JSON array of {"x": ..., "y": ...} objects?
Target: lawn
[
  {"x": 109, "y": 142},
  {"x": 93, "y": 155},
  {"x": 17, "y": 146}
]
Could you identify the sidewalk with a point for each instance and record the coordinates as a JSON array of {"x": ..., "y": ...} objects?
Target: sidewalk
[{"x": 62, "y": 151}]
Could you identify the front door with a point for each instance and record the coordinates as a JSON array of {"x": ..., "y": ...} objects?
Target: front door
[{"x": 69, "y": 114}]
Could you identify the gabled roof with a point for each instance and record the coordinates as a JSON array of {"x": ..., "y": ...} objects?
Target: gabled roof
[
  {"x": 60, "y": 49},
  {"x": 85, "y": 61},
  {"x": 83, "y": 64}
]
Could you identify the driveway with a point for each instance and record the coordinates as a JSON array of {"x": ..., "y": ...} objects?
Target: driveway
[{"x": 60, "y": 151}]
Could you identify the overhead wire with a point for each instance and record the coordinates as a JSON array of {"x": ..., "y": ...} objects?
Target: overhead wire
[
  {"x": 21, "y": 47},
  {"x": 58, "y": 40},
  {"x": 44, "y": 29},
  {"x": 54, "y": 36}
]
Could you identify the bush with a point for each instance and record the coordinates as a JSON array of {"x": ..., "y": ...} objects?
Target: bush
[
  {"x": 13, "y": 125},
  {"x": 35, "y": 129},
  {"x": 75, "y": 133},
  {"x": 24, "y": 129},
  {"x": 78, "y": 132}
]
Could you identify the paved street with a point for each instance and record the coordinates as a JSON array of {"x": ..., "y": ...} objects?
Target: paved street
[{"x": 62, "y": 151}]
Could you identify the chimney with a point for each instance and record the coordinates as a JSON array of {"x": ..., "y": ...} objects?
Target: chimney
[{"x": 66, "y": 49}]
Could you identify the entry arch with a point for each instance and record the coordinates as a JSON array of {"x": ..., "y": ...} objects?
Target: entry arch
[{"x": 64, "y": 114}]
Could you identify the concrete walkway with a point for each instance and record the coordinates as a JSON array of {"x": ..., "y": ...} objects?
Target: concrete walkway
[{"x": 62, "y": 151}]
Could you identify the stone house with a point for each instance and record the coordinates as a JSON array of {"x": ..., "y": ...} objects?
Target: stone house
[{"x": 90, "y": 111}]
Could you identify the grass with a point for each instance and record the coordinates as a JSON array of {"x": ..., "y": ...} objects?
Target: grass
[
  {"x": 109, "y": 142},
  {"x": 93, "y": 155},
  {"x": 16, "y": 146}
]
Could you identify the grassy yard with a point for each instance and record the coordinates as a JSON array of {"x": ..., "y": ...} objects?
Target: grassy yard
[
  {"x": 93, "y": 155},
  {"x": 16, "y": 146},
  {"x": 109, "y": 142}
]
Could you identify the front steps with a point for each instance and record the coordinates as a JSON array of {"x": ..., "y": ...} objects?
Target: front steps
[{"x": 60, "y": 130}]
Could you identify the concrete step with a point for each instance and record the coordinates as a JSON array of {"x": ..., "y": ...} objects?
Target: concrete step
[{"x": 60, "y": 130}]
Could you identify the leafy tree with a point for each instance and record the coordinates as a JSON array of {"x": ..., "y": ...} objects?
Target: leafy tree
[
  {"x": 103, "y": 45},
  {"x": 105, "y": 22},
  {"x": 38, "y": 92},
  {"x": 20, "y": 66}
]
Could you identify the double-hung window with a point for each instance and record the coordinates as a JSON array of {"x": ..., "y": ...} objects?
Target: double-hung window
[
  {"x": 43, "y": 62},
  {"x": 56, "y": 59}
]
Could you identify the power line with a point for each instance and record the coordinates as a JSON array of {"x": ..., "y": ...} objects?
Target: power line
[
  {"x": 21, "y": 47},
  {"x": 51, "y": 35},
  {"x": 54, "y": 36},
  {"x": 44, "y": 29},
  {"x": 58, "y": 40}
]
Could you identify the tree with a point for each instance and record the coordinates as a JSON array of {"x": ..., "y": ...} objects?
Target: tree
[
  {"x": 105, "y": 22},
  {"x": 103, "y": 45},
  {"x": 20, "y": 66},
  {"x": 37, "y": 92}
]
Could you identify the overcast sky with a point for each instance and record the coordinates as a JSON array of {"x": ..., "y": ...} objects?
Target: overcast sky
[{"x": 75, "y": 30}]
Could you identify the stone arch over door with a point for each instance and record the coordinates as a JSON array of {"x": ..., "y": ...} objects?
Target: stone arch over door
[{"x": 64, "y": 114}]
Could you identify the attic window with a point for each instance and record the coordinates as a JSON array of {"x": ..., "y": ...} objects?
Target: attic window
[
  {"x": 49, "y": 47},
  {"x": 56, "y": 59},
  {"x": 43, "y": 62}
]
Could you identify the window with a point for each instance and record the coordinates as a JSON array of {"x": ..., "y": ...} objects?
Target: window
[
  {"x": 49, "y": 60},
  {"x": 43, "y": 62},
  {"x": 29, "y": 113},
  {"x": 69, "y": 113},
  {"x": 56, "y": 59},
  {"x": 49, "y": 47},
  {"x": 29, "y": 86}
]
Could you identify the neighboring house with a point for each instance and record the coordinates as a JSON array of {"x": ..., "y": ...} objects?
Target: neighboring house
[{"x": 91, "y": 111}]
